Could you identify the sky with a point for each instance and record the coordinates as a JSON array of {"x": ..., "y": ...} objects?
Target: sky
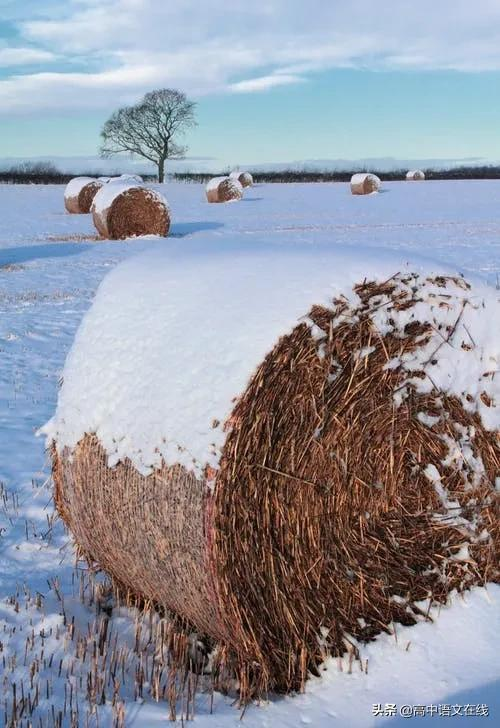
[{"x": 274, "y": 80}]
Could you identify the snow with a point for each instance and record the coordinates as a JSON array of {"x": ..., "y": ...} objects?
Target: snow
[
  {"x": 162, "y": 322},
  {"x": 74, "y": 186},
  {"x": 50, "y": 269}
]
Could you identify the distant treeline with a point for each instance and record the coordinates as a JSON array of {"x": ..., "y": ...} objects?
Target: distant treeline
[
  {"x": 45, "y": 173},
  {"x": 290, "y": 175}
]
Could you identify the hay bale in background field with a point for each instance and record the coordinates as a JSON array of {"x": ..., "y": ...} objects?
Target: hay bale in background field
[
  {"x": 79, "y": 194},
  {"x": 224, "y": 189},
  {"x": 244, "y": 178},
  {"x": 131, "y": 178},
  {"x": 364, "y": 183},
  {"x": 415, "y": 175},
  {"x": 124, "y": 209},
  {"x": 348, "y": 473}
]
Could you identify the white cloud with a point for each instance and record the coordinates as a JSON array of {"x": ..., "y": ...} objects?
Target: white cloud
[
  {"x": 24, "y": 56},
  {"x": 264, "y": 82},
  {"x": 130, "y": 46}
]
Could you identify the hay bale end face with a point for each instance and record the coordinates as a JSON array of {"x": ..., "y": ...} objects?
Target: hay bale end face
[
  {"x": 124, "y": 209},
  {"x": 365, "y": 184},
  {"x": 334, "y": 488},
  {"x": 79, "y": 194},
  {"x": 224, "y": 189},
  {"x": 244, "y": 178},
  {"x": 415, "y": 175}
]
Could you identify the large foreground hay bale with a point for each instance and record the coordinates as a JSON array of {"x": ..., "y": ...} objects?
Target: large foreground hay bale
[
  {"x": 224, "y": 189},
  {"x": 123, "y": 209},
  {"x": 244, "y": 178},
  {"x": 364, "y": 183},
  {"x": 79, "y": 194},
  {"x": 352, "y": 475},
  {"x": 415, "y": 175}
]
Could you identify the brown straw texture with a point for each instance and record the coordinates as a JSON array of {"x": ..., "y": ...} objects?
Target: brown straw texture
[{"x": 323, "y": 520}]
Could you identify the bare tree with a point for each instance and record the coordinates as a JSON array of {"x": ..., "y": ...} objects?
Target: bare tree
[{"x": 150, "y": 129}]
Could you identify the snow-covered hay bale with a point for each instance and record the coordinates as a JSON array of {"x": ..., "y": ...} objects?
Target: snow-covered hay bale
[
  {"x": 224, "y": 189},
  {"x": 79, "y": 194},
  {"x": 364, "y": 183},
  {"x": 124, "y": 209},
  {"x": 131, "y": 178},
  {"x": 304, "y": 470},
  {"x": 415, "y": 175},
  {"x": 244, "y": 178}
]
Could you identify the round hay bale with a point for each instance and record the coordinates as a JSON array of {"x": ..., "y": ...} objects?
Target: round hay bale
[
  {"x": 79, "y": 194},
  {"x": 124, "y": 209},
  {"x": 348, "y": 473},
  {"x": 415, "y": 175},
  {"x": 365, "y": 183},
  {"x": 131, "y": 178},
  {"x": 224, "y": 189},
  {"x": 244, "y": 178}
]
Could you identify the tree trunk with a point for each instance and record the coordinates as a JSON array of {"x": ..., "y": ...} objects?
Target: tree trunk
[{"x": 161, "y": 170}]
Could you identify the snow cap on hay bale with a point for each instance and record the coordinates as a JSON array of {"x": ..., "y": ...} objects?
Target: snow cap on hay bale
[
  {"x": 79, "y": 194},
  {"x": 124, "y": 209},
  {"x": 415, "y": 174},
  {"x": 364, "y": 183},
  {"x": 244, "y": 178},
  {"x": 337, "y": 469},
  {"x": 224, "y": 189}
]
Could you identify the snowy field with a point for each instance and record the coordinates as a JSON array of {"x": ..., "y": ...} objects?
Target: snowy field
[{"x": 50, "y": 267}]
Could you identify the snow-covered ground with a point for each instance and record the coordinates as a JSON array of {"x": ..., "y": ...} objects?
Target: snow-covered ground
[{"x": 50, "y": 267}]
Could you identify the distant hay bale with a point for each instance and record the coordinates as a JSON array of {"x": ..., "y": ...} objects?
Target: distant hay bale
[
  {"x": 350, "y": 487},
  {"x": 79, "y": 194},
  {"x": 224, "y": 189},
  {"x": 415, "y": 175},
  {"x": 244, "y": 178},
  {"x": 124, "y": 209},
  {"x": 364, "y": 183},
  {"x": 131, "y": 178}
]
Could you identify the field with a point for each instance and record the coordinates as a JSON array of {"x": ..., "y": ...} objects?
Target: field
[{"x": 50, "y": 267}]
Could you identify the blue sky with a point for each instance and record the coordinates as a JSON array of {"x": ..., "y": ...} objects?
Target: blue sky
[{"x": 283, "y": 81}]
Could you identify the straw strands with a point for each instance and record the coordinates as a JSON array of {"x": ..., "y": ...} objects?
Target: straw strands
[{"x": 350, "y": 487}]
